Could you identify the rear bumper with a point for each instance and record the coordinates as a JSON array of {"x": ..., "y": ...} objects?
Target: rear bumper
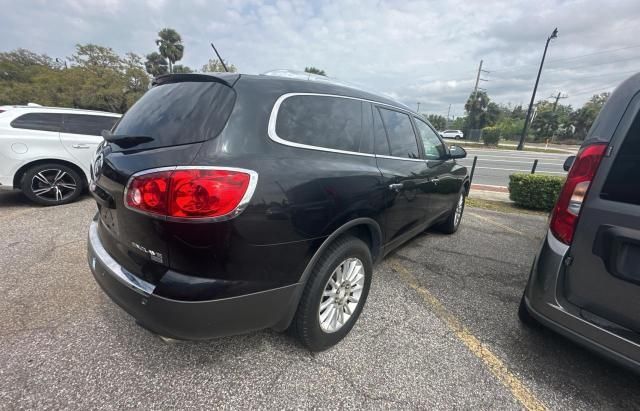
[
  {"x": 545, "y": 302},
  {"x": 188, "y": 320}
]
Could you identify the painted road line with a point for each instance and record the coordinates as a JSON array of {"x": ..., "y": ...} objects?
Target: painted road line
[
  {"x": 498, "y": 368},
  {"x": 524, "y": 171},
  {"x": 497, "y": 224}
]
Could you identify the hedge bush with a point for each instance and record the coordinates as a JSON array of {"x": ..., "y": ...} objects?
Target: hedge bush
[
  {"x": 490, "y": 136},
  {"x": 535, "y": 191}
]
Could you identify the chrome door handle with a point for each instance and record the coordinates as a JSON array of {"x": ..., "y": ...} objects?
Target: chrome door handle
[
  {"x": 435, "y": 180},
  {"x": 81, "y": 146},
  {"x": 396, "y": 187}
]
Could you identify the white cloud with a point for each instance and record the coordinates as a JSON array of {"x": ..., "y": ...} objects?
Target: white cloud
[{"x": 414, "y": 50}]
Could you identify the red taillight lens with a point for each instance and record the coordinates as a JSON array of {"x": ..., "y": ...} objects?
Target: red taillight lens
[
  {"x": 189, "y": 193},
  {"x": 567, "y": 209}
]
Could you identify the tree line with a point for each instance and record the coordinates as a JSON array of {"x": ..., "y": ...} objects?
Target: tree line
[
  {"x": 94, "y": 77},
  {"x": 551, "y": 120}
]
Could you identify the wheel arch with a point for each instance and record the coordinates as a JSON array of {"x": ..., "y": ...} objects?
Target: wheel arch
[
  {"x": 19, "y": 174},
  {"x": 364, "y": 228}
]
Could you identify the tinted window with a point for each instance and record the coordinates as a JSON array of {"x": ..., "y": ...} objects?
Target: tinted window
[
  {"x": 380, "y": 135},
  {"x": 178, "y": 113},
  {"x": 87, "y": 124},
  {"x": 38, "y": 121},
  {"x": 321, "y": 121},
  {"x": 622, "y": 183},
  {"x": 402, "y": 140},
  {"x": 433, "y": 148}
]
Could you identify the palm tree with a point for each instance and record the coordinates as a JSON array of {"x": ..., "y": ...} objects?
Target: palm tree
[{"x": 170, "y": 46}]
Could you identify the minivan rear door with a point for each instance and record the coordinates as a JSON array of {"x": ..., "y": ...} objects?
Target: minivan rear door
[{"x": 603, "y": 277}]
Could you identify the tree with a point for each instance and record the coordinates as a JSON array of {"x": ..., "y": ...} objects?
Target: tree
[
  {"x": 179, "y": 68},
  {"x": 437, "y": 121},
  {"x": 156, "y": 65},
  {"x": 583, "y": 118},
  {"x": 314, "y": 70},
  {"x": 476, "y": 107},
  {"x": 170, "y": 46},
  {"x": 214, "y": 66}
]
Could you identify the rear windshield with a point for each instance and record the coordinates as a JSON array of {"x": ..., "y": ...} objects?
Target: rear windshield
[{"x": 178, "y": 113}]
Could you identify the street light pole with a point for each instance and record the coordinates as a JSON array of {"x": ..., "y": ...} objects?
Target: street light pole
[{"x": 535, "y": 88}]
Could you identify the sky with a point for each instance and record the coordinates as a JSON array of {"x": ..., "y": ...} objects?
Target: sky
[{"x": 424, "y": 52}]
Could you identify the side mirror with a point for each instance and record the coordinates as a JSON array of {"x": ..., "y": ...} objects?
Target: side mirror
[
  {"x": 457, "y": 152},
  {"x": 568, "y": 163}
]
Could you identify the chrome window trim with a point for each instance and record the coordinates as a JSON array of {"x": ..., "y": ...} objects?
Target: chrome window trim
[
  {"x": 271, "y": 130},
  {"x": 242, "y": 205}
]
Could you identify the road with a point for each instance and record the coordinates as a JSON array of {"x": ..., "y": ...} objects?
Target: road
[
  {"x": 439, "y": 331},
  {"x": 495, "y": 166}
]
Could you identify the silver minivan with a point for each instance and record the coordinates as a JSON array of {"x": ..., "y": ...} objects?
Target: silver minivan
[{"x": 585, "y": 280}]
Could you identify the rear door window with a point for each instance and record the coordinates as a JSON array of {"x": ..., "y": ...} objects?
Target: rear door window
[
  {"x": 433, "y": 147},
  {"x": 325, "y": 121},
  {"x": 38, "y": 121},
  {"x": 402, "y": 139},
  {"x": 622, "y": 183},
  {"x": 178, "y": 113},
  {"x": 87, "y": 124},
  {"x": 380, "y": 135}
]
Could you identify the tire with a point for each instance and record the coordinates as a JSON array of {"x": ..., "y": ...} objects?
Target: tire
[
  {"x": 451, "y": 224},
  {"x": 458, "y": 137},
  {"x": 524, "y": 315},
  {"x": 52, "y": 184},
  {"x": 307, "y": 325}
]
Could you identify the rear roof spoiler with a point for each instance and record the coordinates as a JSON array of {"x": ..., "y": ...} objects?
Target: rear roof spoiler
[{"x": 228, "y": 79}]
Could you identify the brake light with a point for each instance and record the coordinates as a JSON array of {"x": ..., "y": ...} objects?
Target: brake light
[
  {"x": 191, "y": 193},
  {"x": 567, "y": 210}
]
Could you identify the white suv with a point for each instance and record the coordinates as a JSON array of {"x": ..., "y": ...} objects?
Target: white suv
[
  {"x": 46, "y": 151},
  {"x": 457, "y": 134}
]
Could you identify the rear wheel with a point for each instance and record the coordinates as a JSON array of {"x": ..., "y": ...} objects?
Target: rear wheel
[
  {"x": 51, "y": 184},
  {"x": 334, "y": 295},
  {"x": 451, "y": 224}
]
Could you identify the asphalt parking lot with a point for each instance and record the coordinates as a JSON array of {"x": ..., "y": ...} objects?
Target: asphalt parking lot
[{"x": 439, "y": 331}]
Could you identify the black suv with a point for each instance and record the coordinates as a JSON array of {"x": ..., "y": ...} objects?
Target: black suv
[{"x": 229, "y": 203}]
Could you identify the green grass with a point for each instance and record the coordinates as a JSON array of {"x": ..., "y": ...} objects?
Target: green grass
[{"x": 501, "y": 206}]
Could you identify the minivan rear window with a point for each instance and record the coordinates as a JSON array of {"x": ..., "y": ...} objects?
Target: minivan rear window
[
  {"x": 622, "y": 183},
  {"x": 178, "y": 113}
]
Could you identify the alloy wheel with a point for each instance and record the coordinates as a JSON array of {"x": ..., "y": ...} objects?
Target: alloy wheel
[
  {"x": 459, "y": 209},
  {"x": 53, "y": 185},
  {"x": 341, "y": 295}
]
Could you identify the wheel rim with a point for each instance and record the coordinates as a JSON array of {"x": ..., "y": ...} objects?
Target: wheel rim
[
  {"x": 459, "y": 209},
  {"x": 341, "y": 295},
  {"x": 53, "y": 185}
]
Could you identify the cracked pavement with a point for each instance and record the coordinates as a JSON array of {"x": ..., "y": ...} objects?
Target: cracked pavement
[{"x": 64, "y": 344}]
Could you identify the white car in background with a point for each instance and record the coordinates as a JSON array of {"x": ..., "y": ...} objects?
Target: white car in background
[
  {"x": 46, "y": 151},
  {"x": 456, "y": 134}
]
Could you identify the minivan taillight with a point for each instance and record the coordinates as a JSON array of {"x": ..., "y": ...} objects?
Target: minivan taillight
[
  {"x": 567, "y": 210},
  {"x": 191, "y": 193}
]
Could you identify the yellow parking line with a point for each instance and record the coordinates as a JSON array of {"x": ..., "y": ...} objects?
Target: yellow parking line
[
  {"x": 493, "y": 363},
  {"x": 497, "y": 224}
]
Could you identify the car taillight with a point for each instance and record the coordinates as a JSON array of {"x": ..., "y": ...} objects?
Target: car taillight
[
  {"x": 191, "y": 193},
  {"x": 565, "y": 214}
]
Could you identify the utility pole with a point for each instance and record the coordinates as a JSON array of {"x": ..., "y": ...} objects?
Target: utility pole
[
  {"x": 558, "y": 97},
  {"x": 448, "y": 112},
  {"x": 418, "y": 110},
  {"x": 527, "y": 120},
  {"x": 475, "y": 88}
]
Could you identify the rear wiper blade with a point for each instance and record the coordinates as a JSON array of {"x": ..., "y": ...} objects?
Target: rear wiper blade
[{"x": 125, "y": 141}]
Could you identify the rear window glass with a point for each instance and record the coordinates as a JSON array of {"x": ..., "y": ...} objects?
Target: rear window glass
[
  {"x": 622, "y": 183},
  {"x": 87, "y": 124},
  {"x": 178, "y": 113},
  {"x": 38, "y": 121},
  {"x": 402, "y": 139},
  {"x": 322, "y": 121},
  {"x": 380, "y": 135}
]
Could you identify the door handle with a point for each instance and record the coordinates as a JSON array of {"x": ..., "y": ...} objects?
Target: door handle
[
  {"x": 435, "y": 180},
  {"x": 396, "y": 187},
  {"x": 81, "y": 146}
]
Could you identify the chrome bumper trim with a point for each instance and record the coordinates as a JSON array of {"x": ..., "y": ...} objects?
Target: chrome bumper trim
[{"x": 112, "y": 267}]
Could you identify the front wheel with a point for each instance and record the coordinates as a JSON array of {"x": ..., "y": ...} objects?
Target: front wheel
[
  {"x": 334, "y": 295},
  {"x": 51, "y": 184},
  {"x": 451, "y": 224}
]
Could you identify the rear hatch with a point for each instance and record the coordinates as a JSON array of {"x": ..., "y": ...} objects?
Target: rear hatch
[{"x": 165, "y": 128}]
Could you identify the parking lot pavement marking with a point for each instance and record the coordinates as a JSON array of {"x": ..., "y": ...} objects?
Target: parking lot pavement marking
[
  {"x": 493, "y": 363},
  {"x": 497, "y": 224}
]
